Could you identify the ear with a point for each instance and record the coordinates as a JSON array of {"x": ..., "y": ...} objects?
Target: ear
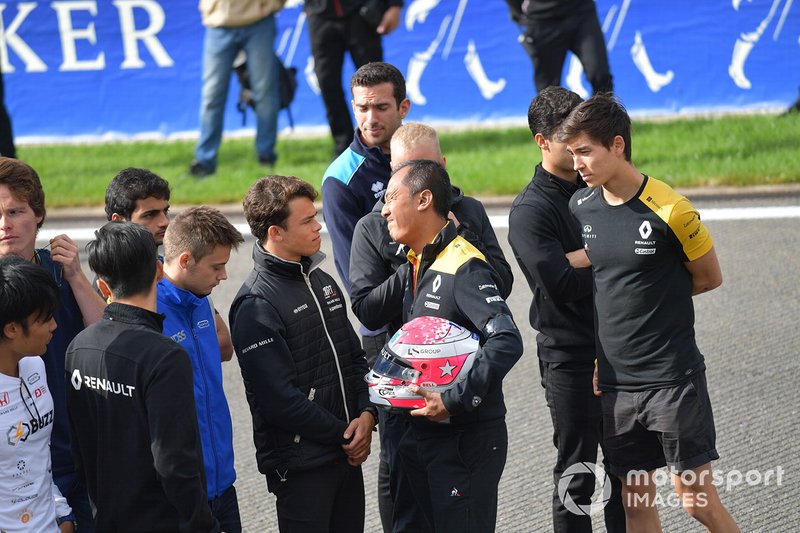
[
  {"x": 405, "y": 105},
  {"x": 12, "y": 330},
  {"x": 618, "y": 146},
  {"x": 105, "y": 290},
  {"x": 425, "y": 200},
  {"x": 159, "y": 270},
  {"x": 183, "y": 259},
  {"x": 541, "y": 142},
  {"x": 116, "y": 217},
  {"x": 275, "y": 234},
  {"x": 444, "y": 162}
]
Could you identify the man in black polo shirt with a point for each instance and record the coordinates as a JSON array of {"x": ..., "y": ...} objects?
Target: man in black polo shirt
[{"x": 650, "y": 255}]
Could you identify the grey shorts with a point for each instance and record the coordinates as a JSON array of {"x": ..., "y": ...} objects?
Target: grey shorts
[{"x": 671, "y": 427}]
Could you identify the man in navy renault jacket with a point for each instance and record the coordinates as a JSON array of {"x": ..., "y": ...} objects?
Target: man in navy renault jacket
[{"x": 197, "y": 246}]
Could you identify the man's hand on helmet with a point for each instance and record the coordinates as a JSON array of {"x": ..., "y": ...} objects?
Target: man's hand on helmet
[{"x": 434, "y": 408}]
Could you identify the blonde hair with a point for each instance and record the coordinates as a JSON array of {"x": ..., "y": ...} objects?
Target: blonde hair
[{"x": 416, "y": 141}]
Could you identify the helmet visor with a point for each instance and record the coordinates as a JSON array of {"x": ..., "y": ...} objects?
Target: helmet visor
[{"x": 392, "y": 365}]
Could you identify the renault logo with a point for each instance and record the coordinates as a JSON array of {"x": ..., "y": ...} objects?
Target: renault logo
[
  {"x": 645, "y": 229},
  {"x": 76, "y": 379}
]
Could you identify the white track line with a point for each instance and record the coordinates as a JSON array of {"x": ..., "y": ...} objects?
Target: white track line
[{"x": 501, "y": 221}]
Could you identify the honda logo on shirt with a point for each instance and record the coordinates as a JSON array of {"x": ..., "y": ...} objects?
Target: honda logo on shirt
[{"x": 645, "y": 229}]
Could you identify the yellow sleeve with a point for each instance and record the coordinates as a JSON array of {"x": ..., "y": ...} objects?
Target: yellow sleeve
[{"x": 685, "y": 222}]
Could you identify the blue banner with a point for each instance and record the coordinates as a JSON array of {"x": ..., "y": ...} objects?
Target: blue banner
[{"x": 78, "y": 69}]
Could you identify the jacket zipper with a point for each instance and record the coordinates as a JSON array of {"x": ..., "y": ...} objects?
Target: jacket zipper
[
  {"x": 208, "y": 408},
  {"x": 333, "y": 347}
]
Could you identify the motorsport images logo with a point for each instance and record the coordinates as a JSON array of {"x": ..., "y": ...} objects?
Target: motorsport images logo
[{"x": 584, "y": 469}]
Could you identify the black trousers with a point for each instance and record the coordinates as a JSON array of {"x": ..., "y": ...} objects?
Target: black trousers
[
  {"x": 547, "y": 42},
  {"x": 7, "y": 148},
  {"x": 455, "y": 473},
  {"x": 326, "y": 499},
  {"x": 225, "y": 509},
  {"x": 330, "y": 39},
  {"x": 577, "y": 431}
]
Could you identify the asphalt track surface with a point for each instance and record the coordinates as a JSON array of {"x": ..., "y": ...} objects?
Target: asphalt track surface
[{"x": 747, "y": 329}]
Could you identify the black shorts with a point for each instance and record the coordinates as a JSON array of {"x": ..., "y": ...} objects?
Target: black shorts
[{"x": 649, "y": 429}]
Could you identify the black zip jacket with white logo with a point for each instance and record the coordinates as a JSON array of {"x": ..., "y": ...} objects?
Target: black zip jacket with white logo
[
  {"x": 302, "y": 363},
  {"x": 541, "y": 230},
  {"x": 135, "y": 440},
  {"x": 452, "y": 280}
]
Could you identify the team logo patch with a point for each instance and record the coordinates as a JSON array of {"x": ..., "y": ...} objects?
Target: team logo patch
[
  {"x": 645, "y": 230},
  {"x": 437, "y": 282}
]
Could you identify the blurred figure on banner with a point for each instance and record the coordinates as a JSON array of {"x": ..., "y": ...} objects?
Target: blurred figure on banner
[
  {"x": 551, "y": 28},
  {"x": 339, "y": 26},
  {"x": 232, "y": 26},
  {"x": 7, "y": 148}
]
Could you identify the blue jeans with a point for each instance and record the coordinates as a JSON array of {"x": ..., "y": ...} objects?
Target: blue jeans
[{"x": 219, "y": 50}]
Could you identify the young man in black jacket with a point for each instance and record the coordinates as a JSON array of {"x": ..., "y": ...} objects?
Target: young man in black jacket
[
  {"x": 302, "y": 365},
  {"x": 130, "y": 398},
  {"x": 454, "y": 467},
  {"x": 546, "y": 241},
  {"x": 378, "y": 269}
]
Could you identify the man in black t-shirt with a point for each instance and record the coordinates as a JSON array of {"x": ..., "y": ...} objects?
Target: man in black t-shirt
[{"x": 650, "y": 255}]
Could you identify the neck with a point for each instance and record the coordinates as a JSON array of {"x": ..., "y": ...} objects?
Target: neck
[
  {"x": 558, "y": 172},
  {"x": 278, "y": 251},
  {"x": 9, "y": 362},
  {"x": 145, "y": 301},
  {"x": 427, "y": 236},
  {"x": 623, "y": 187},
  {"x": 172, "y": 274}
]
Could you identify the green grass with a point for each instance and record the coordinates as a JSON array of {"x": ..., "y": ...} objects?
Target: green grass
[{"x": 732, "y": 150}]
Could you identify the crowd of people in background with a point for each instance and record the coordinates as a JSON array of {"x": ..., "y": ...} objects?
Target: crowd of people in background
[{"x": 111, "y": 389}]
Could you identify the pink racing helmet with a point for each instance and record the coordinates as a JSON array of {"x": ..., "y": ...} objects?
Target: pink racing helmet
[{"x": 432, "y": 352}]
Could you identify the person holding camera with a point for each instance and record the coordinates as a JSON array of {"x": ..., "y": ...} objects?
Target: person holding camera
[{"x": 339, "y": 26}]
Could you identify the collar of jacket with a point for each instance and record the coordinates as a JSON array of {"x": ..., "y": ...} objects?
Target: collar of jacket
[
  {"x": 173, "y": 294},
  {"x": 130, "y": 314},
  {"x": 273, "y": 264},
  {"x": 439, "y": 243},
  {"x": 550, "y": 181},
  {"x": 375, "y": 153}
]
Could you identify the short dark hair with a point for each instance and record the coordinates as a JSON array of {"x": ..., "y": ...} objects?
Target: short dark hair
[
  {"x": 426, "y": 174},
  {"x": 199, "y": 230},
  {"x": 26, "y": 290},
  {"x": 24, "y": 183},
  {"x": 549, "y": 109},
  {"x": 602, "y": 117},
  {"x": 267, "y": 202},
  {"x": 131, "y": 185},
  {"x": 124, "y": 255},
  {"x": 377, "y": 72}
]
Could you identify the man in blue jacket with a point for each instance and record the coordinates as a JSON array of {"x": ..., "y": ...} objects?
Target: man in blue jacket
[{"x": 197, "y": 247}]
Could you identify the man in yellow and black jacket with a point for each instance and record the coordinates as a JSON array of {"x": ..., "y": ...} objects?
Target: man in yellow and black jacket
[{"x": 460, "y": 436}]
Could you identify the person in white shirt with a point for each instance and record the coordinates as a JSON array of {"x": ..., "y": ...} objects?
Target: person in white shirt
[{"x": 29, "y": 500}]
